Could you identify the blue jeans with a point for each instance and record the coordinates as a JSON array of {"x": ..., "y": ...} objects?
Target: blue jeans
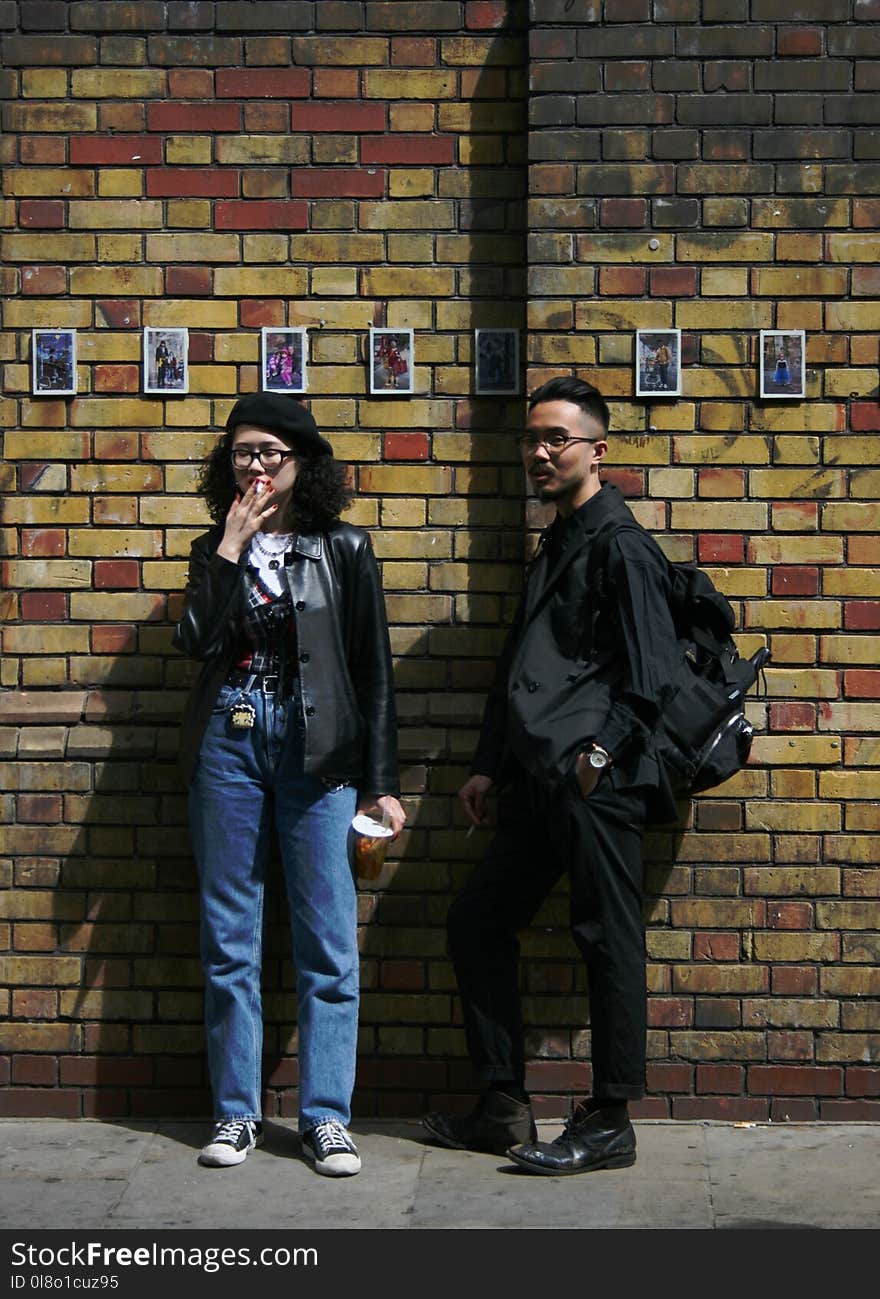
[{"x": 246, "y": 783}]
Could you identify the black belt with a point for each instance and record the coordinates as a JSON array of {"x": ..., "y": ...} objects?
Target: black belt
[{"x": 268, "y": 684}]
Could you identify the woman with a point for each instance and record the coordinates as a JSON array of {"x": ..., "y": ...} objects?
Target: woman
[{"x": 290, "y": 728}]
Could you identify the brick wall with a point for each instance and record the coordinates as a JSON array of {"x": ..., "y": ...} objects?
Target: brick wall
[{"x": 225, "y": 166}]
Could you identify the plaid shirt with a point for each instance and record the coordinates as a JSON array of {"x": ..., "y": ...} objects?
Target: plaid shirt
[{"x": 266, "y": 625}]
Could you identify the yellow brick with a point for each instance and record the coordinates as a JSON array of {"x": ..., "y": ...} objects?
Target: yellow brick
[
  {"x": 44, "y": 83},
  {"x": 850, "y": 717},
  {"x": 865, "y": 482},
  {"x": 200, "y": 248},
  {"x": 401, "y": 281},
  {"x": 334, "y": 281},
  {"x": 413, "y": 413},
  {"x": 50, "y": 573},
  {"x": 796, "y": 947},
  {"x": 850, "y": 785},
  {"x": 213, "y": 379},
  {"x": 411, "y": 182},
  {"x": 405, "y": 480},
  {"x": 24, "y": 182},
  {"x": 703, "y": 516},
  {"x": 122, "y": 83},
  {"x": 788, "y": 450},
  {"x": 345, "y": 379},
  {"x": 400, "y": 543},
  {"x": 724, "y": 282},
  {"x": 190, "y": 212},
  {"x": 802, "y": 750},
  {"x": 261, "y": 281},
  {"x": 140, "y": 214},
  {"x": 178, "y": 510},
  {"x": 407, "y": 215},
  {"x": 724, "y": 349},
  {"x": 407, "y": 313},
  {"x": 115, "y": 412},
  {"x": 851, "y": 315},
  {"x": 119, "y": 248},
  {"x": 236, "y": 347},
  {"x": 864, "y": 582},
  {"x": 792, "y": 614},
  {"x": 795, "y": 484},
  {"x": 121, "y": 281},
  {"x": 37, "y": 510},
  {"x": 561, "y": 349},
  {"x": 192, "y": 150},
  {"x": 717, "y": 383},
  {"x": 459, "y": 315},
  {"x": 806, "y": 281},
  {"x": 257, "y": 150},
  {"x": 852, "y": 517},
  {"x": 63, "y": 118},
  {"x": 848, "y": 650},
  {"x": 481, "y": 150},
  {"x": 735, "y": 314},
  {"x": 850, "y": 383},
  {"x": 45, "y": 446},
  {"x": 328, "y": 51},
  {"x": 34, "y": 313},
  {"x": 114, "y": 607},
  {"x": 796, "y": 550},
  {"x": 799, "y": 817},
  {"x": 609, "y": 313},
  {"x": 716, "y": 978},
  {"x": 41, "y": 639},
  {"x": 328, "y": 314},
  {"x": 120, "y": 182},
  {"x": 394, "y": 84},
  {"x": 113, "y": 542},
  {"x": 182, "y": 478},
  {"x": 861, "y": 247},
  {"x": 195, "y": 313},
  {"x": 724, "y": 248},
  {"x": 475, "y": 115}
]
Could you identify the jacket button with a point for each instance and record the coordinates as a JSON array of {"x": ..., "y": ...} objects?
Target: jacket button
[
  {"x": 310, "y": 712},
  {"x": 300, "y": 604},
  {"x": 303, "y": 658}
]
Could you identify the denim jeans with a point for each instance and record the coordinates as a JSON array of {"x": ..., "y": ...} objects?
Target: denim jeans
[{"x": 248, "y": 783}]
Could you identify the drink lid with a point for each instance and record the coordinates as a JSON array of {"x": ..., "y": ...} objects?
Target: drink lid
[{"x": 375, "y": 829}]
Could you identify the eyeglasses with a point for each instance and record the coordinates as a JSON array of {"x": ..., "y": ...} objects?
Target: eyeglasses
[
  {"x": 553, "y": 443},
  {"x": 269, "y": 457}
]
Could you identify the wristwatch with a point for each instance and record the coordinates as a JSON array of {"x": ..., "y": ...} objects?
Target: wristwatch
[{"x": 599, "y": 758}]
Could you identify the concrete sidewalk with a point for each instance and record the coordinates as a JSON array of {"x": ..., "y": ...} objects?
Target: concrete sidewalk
[{"x": 98, "y": 1175}]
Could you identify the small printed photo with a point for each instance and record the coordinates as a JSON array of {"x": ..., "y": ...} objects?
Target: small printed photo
[
  {"x": 391, "y": 361},
  {"x": 284, "y": 358},
  {"x": 166, "y": 367},
  {"x": 496, "y": 357},
  {"x": 53, "y": 362},
  {"x": 658, "y": 363},
  {"x": 782, "y": 362}
]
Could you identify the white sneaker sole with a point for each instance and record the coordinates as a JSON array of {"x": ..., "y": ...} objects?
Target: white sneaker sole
[
  {"x": 335, "y": 1165},
  {"x": 223, "y": 1156}
]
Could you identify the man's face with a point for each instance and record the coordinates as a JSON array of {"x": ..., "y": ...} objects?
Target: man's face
[{"x": 567, "y": 475}]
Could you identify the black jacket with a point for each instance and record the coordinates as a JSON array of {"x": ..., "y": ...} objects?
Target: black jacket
[
  {"x": 342, "y": 646},
  {"x": 572, "y": 671}
]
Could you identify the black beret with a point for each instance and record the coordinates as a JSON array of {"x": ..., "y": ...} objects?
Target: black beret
[{"x": 285, "y": 416}]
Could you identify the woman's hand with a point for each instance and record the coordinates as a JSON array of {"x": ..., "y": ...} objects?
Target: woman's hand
[
  {"x": 386, "y": 809},
  {"x": 245, "y": 518},
  {"x": 473, "y": 796}
]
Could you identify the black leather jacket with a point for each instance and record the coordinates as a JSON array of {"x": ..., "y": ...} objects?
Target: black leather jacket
[{"x": 342, "y": 646}]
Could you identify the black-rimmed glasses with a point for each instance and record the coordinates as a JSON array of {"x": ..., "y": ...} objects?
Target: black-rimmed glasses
[
  {"x": 553, "y": 443},
  {"x": 269, "y": 457}
]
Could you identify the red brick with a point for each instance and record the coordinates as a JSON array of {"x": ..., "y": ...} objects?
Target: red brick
[
  {"x": 663, "y": 1076},
  {"x": 35, "y": 1003},
  {"x": 864, "y": 416},
  {"x": 335, "y": 83},
  {"x": 117, "y": 378},
  {"x": 39, "y": 1103},
  {"x": 862, "y": 683},
  {"x": 409, "y": 150},
  {"x": 650, "y": 1107},
  {"x": 835, "y": 1111},
  {"x": 171, "y": 116},
  {"x": 721, "y": 482},
  {"x": 484, "y": 15},
  {"x": 716, "y": 947},
  {"x": 631, "y": 213},
  {"x": 254, "y": 313},
  {"x": 629, "y": 481},
  {"x": 43, "y": 281},
  {"x": 405, "y": 446},
  {"x": 794, "y": 980},
  {"x": 673, "y": 281},
  {"x": 793, "y": 1111},
  {"x": 113, "y": 639},
  {"x": 795, "y": 1080},
  {"x": 861, "y": 615},
  {"x": 44, "y": 606},
  {"x": 119, "y": 313},
  {"x": 121, "y": 574},
  {"x": 622, "y": 281},
  {"x": 267, "y": 115},
  {"x": 47, "y": 150},
  {"x": 39, "y": 808},
  {"x": 192, "y": 182},
  {"x": 670, "y": 1012},
  {"x": 267, "y": 214},
  {"x": 189, "y": 281},
  {"x": 41, "y": 214},
  {"x": 866, "y": 213},
  {"x": 43, "y": 541},
  {"x": 94, "y": 1069},
  {"x": 557, "y": 1075},
  {"x": 729, "y": 1108},
  {"x": 799, "y": 42},
  {"x": 861, "y": 1081},
  {"x": 263, "y": 83},
  {"x": 337, "y": 182},
  {"x": 190, "y": 83},
  {"x": 201, "y": 348},
  {"x": 413, "y": 51},
  {"x": 720, "y": 548},
  {"x": 404, "y": 975},
  {"x": 342, "y": 117},
  {"x": 35, "y": 1070},
  {"x": 794, "y": 580},
  {"x": 790, "y": 915},
  {"x": 729, "y": 1078},
  {"x": 105, "y": 1104},
  {"x": 108, "y": 150}
]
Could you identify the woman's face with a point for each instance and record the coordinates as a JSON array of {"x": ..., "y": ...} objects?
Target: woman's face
[{"x": 254, "y": 437}]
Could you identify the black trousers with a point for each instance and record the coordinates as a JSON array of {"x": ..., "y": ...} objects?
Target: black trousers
[{"x": 598, "y": 842}]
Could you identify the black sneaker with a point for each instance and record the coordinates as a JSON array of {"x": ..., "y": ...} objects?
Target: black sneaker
[
  {"x": 496, "y": 1123},
  {"x": 330, "y": 1148},
  {"x": 592, "y": 1138},
  {"x": 231, "y": 1142}
]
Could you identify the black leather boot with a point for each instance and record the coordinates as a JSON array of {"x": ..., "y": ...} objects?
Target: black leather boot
[
  {"x": 496, "y": 1123},
  {"x": 592, "y": 1138}
]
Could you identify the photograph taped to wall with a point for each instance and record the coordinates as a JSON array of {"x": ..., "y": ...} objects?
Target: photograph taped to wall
[
  {"x": 166, "y": 360},
  {"x": 53, "y": 362},
  {"x": 496, "y": 359},
  {"x": 782, "y": 363},
  {"x": 658, "y": 362},
  {"x": 283, "y": 360},
  {"x": 391, "y": 362}
]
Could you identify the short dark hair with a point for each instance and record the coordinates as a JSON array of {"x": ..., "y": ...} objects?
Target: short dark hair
[{"x": 566, "y": 388}]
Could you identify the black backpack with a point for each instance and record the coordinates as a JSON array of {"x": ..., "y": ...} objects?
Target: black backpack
[{"x": 703, "y": 736}]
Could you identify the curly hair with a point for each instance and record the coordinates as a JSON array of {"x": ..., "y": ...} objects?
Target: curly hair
[{"x": 320, "y": 494}]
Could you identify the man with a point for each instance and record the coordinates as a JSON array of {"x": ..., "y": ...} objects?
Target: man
[
  {"x": 566, "y": 737},
  {"x": 662, "y": 357}
]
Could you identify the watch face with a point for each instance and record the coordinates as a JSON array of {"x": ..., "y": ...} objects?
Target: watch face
[{"x": 598, "y": 760}]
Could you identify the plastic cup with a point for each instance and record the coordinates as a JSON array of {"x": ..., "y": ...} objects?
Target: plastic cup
[{"x": 370, "y": 840}]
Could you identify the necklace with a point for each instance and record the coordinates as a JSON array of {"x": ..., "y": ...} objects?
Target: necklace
[{"x": 273, "y": 555}]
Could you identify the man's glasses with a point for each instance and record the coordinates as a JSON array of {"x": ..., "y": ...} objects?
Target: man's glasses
[
  {"x": 269, "y": 457},
  {"x": 553, "y": 443}
]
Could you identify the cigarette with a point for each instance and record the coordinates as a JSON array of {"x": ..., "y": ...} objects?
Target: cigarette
[
  {"x": 258, "y": 487},
  {"x": 470, "y": 831}
]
